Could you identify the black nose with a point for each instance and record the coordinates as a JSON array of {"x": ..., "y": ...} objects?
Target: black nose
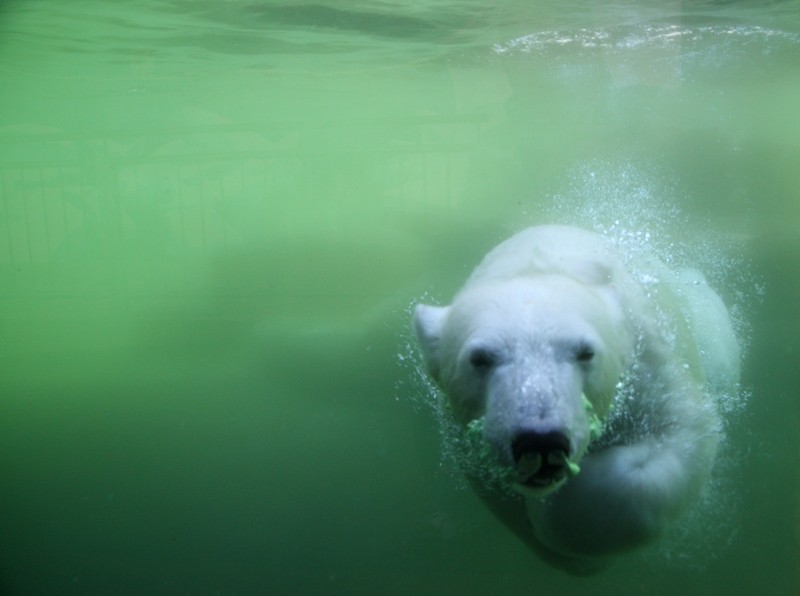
[{"x": 540, "y": 457}]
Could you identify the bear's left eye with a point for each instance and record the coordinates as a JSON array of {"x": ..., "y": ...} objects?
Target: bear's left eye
[{"x": 584, "y": 353}]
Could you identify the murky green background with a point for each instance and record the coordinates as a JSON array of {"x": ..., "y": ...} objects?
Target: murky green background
[{"x": 215, "y": 215}]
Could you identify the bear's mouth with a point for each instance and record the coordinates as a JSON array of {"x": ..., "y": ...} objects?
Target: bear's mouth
[
  {"x": 539, "y": 462},
  {"x": 542, "y": 460},
  {"x": 534, "y": 473}
]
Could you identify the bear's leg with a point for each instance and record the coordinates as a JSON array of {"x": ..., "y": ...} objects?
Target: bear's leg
[
  {"x": 624, "y": 496},
  {"x": 512, "y": 512}
]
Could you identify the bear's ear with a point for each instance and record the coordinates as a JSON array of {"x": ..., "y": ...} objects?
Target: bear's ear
[{"x": 428, "y": 323}]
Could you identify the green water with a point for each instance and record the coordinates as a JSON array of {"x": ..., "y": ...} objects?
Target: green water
[{"x": 215, "y": 215}]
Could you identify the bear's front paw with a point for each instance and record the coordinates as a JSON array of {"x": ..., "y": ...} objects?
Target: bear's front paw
[{"x": 622, "y": 499}]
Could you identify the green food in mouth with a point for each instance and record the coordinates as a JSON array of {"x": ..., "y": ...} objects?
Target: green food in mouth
[{"x": 596, "y": 424}]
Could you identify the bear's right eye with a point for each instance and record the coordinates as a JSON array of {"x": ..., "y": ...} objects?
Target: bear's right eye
[
  {"x": 584, "y": 353},
  {"x": 482, "y": 359}
]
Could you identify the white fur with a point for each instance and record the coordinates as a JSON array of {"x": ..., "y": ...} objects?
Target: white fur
[{"x": 507, "y": 353}]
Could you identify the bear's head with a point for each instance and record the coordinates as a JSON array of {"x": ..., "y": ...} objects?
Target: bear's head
[{"x": 532, "y": 363}]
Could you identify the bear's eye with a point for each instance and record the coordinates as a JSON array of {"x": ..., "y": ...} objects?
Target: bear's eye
[
  {"x": 482, "y": 359},
  {"x": 584, "y": 353}
]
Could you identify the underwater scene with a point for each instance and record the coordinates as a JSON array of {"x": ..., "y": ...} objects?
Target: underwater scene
[{"x": 217, "y": 218}]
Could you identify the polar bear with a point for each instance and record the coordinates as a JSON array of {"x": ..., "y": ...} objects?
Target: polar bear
[{"x": 583, "y": 388}]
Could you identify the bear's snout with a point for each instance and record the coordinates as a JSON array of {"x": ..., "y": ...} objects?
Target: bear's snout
[{"x": 541, "y": 458}]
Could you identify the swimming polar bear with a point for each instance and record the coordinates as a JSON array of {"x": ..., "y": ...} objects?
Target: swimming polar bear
[{"x": 554, "y": 339}]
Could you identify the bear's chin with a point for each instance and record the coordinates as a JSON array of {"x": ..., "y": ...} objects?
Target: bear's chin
[{"x": 536, "y": 489}]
